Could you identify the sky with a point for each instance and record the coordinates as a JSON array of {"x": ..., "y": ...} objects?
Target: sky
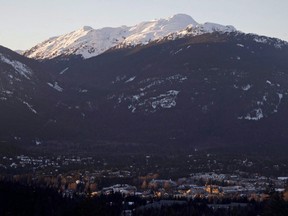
[{"x": 24, "y": 23}]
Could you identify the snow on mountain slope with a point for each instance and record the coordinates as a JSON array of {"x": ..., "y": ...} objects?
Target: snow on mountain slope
[
  {"x": 19, "y": 67},
  {"x": 153, "y": 30},
  {"x": 86, "y": 41},
  {"x": 192, "y": 30},
  {"x": 90, "y": 42}
]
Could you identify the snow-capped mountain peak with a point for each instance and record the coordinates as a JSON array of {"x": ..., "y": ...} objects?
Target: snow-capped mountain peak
[
  {"x": 89, "y": 42},
  {"x": 145, "y": 32},
  {"x": 86, "y": 28},
  {"x": 182, "y": 18}
]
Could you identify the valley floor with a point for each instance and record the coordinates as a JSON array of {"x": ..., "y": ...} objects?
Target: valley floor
[{"x": 195, "y": 183}]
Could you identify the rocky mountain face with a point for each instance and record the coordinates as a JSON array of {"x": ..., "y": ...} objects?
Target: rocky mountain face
[
  {"x": 24, "y": 95},
  {"x": 214, "y": 89}
]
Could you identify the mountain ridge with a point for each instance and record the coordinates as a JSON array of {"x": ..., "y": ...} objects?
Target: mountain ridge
[
  {"x": 191, "y": 90},
  {"x": 89, "y": 42}
]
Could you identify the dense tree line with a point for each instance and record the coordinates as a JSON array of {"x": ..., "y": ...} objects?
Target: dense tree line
[{"x": 21, "y": 200}]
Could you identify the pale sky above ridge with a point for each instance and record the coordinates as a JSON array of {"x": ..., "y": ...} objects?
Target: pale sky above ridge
[{"x": 24, "y": 23}]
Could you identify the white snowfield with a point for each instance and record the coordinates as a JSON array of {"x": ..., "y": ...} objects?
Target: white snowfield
[{"x": 90, "y": 42}]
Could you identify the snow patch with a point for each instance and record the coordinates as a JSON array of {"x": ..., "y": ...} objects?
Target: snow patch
[
  {"x": 178, "y": 51},
  {"x": 280, "y": 96},
  {"x": 19, "y": 67},
  {"x": 177, "y": 77},
  {"x": 165, "y": 101},
  {"x": 7, "y": 92},
  {"x": 119, "y": 79},
  {"x": 56, "y": 86},
  {"x": 157, "y": 82},
  {"x": 131, "y": 79},
  {"x": 254, "y": 115},
  {"x": 38, "y": 142},
  {"x": 246, "y": 87},
  {"x": 30, "y": 107},
  {"x": 63, "y": 71},
  {"x": 277, "y": 43},
  {"x": 261, "y": 40},
  {"x": 83, "y": 90}
]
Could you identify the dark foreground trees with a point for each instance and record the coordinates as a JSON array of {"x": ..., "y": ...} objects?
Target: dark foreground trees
[{"x": 20, "y": 200}]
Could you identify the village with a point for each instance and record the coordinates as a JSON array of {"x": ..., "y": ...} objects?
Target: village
[{"x": 74, "y": 176}]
